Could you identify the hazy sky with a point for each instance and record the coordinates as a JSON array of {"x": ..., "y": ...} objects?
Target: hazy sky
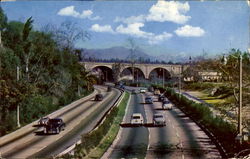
[{"x": 159, "y": 27}]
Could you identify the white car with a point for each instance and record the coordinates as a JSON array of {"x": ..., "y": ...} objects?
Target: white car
[
  {"x": 167, "y": 105},
  {"x": 137, "y": 118},
  {"x": 159, "y": 119},
  {"x": 143, "y": 90}
]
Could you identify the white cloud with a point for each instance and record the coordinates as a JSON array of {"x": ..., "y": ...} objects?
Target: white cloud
[
  {"x": 190, "y": 31},
  {"x": 132, "y": 19},
  {"x": 162, "y": 11},
  {"x": 169, "y": 11},
  {"x": 104, "y": 28},
  {"x": 70, "y": 11},
  {"x": 134, "y": 30},
  {"x": 159, "y": 38},
  {"x": 87, "y": 13}
]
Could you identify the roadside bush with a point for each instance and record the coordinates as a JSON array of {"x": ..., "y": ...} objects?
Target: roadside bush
[
  {"x": 34, "y": 107},
  {"x": 199, "y": 86},
  {"x": 223, "y": 131},
  {"x": 91, "y": 140}
]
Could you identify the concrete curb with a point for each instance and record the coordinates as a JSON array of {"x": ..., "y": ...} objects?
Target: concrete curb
[{"x": 29, "y": 128}]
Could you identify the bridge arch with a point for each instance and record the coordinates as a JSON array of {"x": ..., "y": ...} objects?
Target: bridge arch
[
  {"x": 104, "y": 73},
  {"x": 158, "y": 74},
  {"x": 128, "y": 71}
]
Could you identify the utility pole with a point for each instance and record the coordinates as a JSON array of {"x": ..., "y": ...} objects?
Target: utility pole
[
  {"x": 180, "y": 83},
  {"x": 163, "y": 78},
  {"x": 106, "y": 73},
  {"x": 0, "y": 39},
  {"x": 240, "y": 135},
  {"x": 79, "y": 93},
  {"x": 240, "y": 100},
  {"x": 137, "y": 78},
  {"x": 18, "y": 109}
]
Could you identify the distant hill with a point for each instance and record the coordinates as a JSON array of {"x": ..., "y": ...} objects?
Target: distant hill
[{"x": 120, "y": 53}]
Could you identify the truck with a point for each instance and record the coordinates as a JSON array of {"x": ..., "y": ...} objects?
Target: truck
[{"x": 52, "y": 125}]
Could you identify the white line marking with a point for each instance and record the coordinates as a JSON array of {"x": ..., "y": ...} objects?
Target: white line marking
[
  {"x": 173, "y": 126},
  {"x": 149, "y": 136},
  {"x": 177, "y": 134},
  {"x": 183, "y": 156}
]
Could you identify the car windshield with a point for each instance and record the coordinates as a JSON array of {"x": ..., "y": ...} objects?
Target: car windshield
[
  {"x": 158, "y": 116},
  {"x": 148, "y": 98},
  {"x": 136, "y": 117},
  {"x": 55, "y": 120}
]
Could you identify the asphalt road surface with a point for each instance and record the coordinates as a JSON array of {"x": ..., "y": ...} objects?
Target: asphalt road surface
[
  {"x": 181, "y": 138},
  {"x": 81, "y": 119}
]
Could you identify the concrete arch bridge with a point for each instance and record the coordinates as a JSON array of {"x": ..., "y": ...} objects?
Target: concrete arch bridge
[{"x": 136, "y": 71}]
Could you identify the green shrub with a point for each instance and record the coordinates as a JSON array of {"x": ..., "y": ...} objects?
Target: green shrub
[{"x": 225, "y": 132}]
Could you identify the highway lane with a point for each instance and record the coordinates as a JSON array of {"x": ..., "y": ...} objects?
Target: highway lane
[
  {"x": 133, "y": 141},
  {"x": 33, "y": 143},
  {"x": 180, "y": 138},
  {"x": 84, "y": 126}
]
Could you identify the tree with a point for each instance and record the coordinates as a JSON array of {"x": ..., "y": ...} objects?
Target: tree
[
  {"x": 3, "y": 23},
  {"x": 27, "y": 44},
  {"x": 67, "y": 34},
  {"x": 132, "y": 57},
  {"x": 230, "y": 71},
  {"x": 116, "y": 69}
]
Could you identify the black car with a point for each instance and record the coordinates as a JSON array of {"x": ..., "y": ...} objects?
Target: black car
[
  {"x": 133, "y": 91},
  {"x": 109, "y": 88},
  {"x": 55, "y": 125},
  {"x": 148, "y": 100},
  {"x": 98, "y": 97},
  {"x": 161, "y": 98},
  {"x": 151, "y": 89}
]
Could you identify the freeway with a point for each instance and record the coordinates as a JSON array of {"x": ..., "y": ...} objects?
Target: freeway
[
  {"x": 180, "y": 138},
  {"x": 79, "y": 119}
]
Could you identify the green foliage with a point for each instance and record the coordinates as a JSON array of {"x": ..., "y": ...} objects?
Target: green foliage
[
  {"x": 224, "y": 131},
  {"x": 27, "y": 29},
  {"x": 199, "y": 86},
  {"x": 34, "y": 107},
  {"x": 3, "y": 19},
  {"x": 49, "y": 76}
]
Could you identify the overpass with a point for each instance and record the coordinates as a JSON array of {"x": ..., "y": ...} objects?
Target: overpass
[{"x": 141, "y": 70}]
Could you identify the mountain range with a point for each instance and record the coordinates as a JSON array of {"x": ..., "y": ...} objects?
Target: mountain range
[{"x": 123, "y": 53}]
